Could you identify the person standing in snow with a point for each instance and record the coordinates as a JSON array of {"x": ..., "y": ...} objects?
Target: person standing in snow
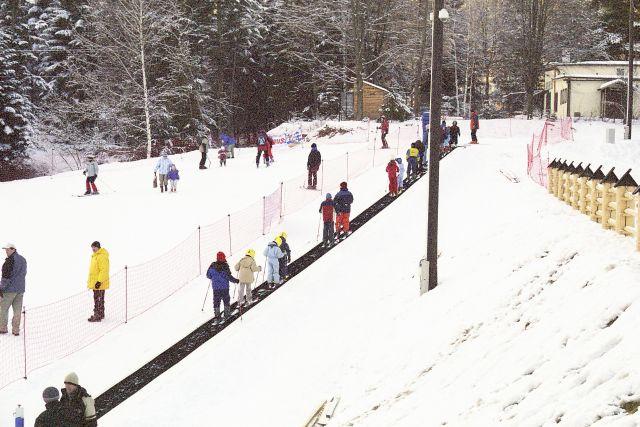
[
  {"x": 162, "y": 167},
  {"x": 327, "y": 208},
  {"x": 343, "y": 201},
  {"x": 392, "y": 174},
  {"x": 313, "y": 166},
  {"x": 474, "y": 123},
  {"x": 384, "y": 131},
  {"x": 412, "y": 161},
  {"x": 421, "y": 155},
  {"x": 98, "y": 280},
  {"x": 281, "y": 240},
  {"x": 445, "y": 137},
  {"x": 246, "y": 269},
  {"x": 91, "y": 172},
  {"x": 52, "y": 415},
  {"x": 263, "y": 148},
  {"x": 173, "y": 177},
  {"x": 229, "y": 144},
  {"x": 273, "y": 254},
  {"x": 12, "y": 286},
  {"x": 220, "y": 276},
  {"x": 454, "y": 133},
  {"x": 204, "y": 149},
  {"x": 77, "y": 407},
  {"x": 222, "y": 156},
  {"x": 400, "y": 174}
]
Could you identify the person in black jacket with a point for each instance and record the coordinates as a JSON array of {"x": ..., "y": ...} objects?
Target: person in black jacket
[
  {"x": 52, "y": 416},
  {"x": 77, "y": 407},
  {"x": 313, "y": 165},
  {"x": 281, "y": 240}
]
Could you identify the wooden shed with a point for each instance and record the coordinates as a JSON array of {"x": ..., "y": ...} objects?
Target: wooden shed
[{"x": 373, "y": 100}]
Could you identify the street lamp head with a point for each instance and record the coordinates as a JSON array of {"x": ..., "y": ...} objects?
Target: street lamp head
[{"x": 443, "y": 15}]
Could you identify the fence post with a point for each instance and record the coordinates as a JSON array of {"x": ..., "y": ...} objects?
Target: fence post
[
  {"x": 126, "y": 294},
  {"x": 199, "y": 253},
  {"x": 347, "y": 166},
  {"x": 264, "y": 215},
  {"x": 24, "y": 339},
  {"x": 281, "y": 200},
  {"x": 229, "y": 222}
]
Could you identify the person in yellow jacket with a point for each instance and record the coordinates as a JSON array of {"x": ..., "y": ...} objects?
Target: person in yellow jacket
[{"x": 98, "y": 279}]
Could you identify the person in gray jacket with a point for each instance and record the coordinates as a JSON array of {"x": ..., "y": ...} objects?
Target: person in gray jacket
[
  {"x": 273, "y": 254},
  {"x": 14, "y": 272},
  {"x": 91, "y": 172}
]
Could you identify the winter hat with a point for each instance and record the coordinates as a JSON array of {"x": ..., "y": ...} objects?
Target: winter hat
[
  {"x": 328, "y": 196},
  {"x": 399, "y": 160},
  {"x": 314, "y": 145},
  {"x": 71, "y": 378},
  {"x": 343, "y": 185},
  {"x": 9, "y": 246},
  {"x": 95, "y": 244},
  {"x": 50, "y": 394},
  {"x": 220, "y": 257},
  {"x": 251, "y": 253}
]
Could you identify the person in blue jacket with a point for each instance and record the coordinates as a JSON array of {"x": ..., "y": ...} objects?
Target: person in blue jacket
[
  {"x": 220, "y": 275},
  {"x": 229, "y": 143},
  {"x": 273, "y": 254},
  {"x": 342, "y": 201}
]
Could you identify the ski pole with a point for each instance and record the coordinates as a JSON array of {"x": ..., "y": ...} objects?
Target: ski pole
[{"x": 205, "y": 297}]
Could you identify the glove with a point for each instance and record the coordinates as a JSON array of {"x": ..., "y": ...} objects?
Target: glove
[{"x": 97, "y": 285}]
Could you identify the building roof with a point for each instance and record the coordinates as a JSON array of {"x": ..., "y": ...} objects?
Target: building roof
[
  {"x": 376, "y": 86},
  {"x": 590, "y": 77},
  {"x": 612, "y": 63},
  {"x": 613, "y": 83}
]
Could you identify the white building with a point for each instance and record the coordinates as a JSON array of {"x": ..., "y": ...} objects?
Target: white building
[{"x": 589, "y": 89}]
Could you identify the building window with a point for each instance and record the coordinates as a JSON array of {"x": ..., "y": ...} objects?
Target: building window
[{"x": 563, "y": 96}]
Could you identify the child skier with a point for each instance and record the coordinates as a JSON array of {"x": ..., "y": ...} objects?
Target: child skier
[
  {"x": 220, "y": 276},
  {"x": 392, "y": 173},
  {"x": 281, "y": 240},
  {"x": 400, "y": 174},
  {"x": 246, "y": 268},
  {"x": 273, "y": 254},
  {"x": 91, "y": 172},
  {"x": 412, "y": 161},
  {"x": 384, "y": 131},
  {"x": 454, "y": 133},
  {"x": 173, "y": 178},
  {"x": 162, "y": 168},
  {"x": 222, "y": 156},
  {"x": 327, "y": 208}
]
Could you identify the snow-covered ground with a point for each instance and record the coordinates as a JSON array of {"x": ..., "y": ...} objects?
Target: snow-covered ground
[{"x": 533, "y": 323}]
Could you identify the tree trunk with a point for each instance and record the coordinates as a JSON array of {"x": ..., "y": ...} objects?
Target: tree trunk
[
  {"x": 417, "y": 93},
  {"x": 358, "y": 25},
  {"x": 144, "y": 81}
]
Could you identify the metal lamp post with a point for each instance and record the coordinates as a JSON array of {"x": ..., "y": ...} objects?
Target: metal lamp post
[
  {"x": 429, "y": 264},
  {"x": 629, "y": 115}
]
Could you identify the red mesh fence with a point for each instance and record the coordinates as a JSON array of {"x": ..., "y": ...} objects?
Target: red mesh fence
[
  {"x": 53, "y": 331},
  {"x": 537, "y": 155}
]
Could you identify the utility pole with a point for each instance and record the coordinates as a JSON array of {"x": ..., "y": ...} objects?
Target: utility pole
[
  {"x": 629, "y": 118},
  {"x": 429, "y": 264}
]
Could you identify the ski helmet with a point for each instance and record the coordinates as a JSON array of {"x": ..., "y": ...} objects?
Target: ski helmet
[
  {"x": 283, "y": 234},
  {"x": 251, "y": 253}
]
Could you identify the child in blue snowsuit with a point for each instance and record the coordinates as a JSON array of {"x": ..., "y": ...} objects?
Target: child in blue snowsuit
[
  {"x": 273, "y": 254},
  {"x": 400, "y": 174},
  {"x": 220, "y": 275},
  {"x": 173, "y": 178}
]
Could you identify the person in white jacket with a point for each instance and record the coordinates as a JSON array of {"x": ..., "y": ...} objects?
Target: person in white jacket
[
  {"x": 162, "y": 168},
  {"x": 91, "y": 172},
  {"x": 400, "y": 174},
  {"x": 273, "y": 254}
]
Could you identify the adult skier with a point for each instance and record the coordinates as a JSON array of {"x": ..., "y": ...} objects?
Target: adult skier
[
  {"x": 163, "y": 166},
  {"x": 421, "y": 155},
  {"x": 313, "y": 165},
  {"x": 263, "y": 148},
  {"x": 204, "y": 148},
  {"x": 246, "y": 269},
  {"x": 52, "y": 415},
  {"x": 77, "y": 407},
  {"x": 98, "y": 280},
  {"x": 220, "y": 276},
  {"x": 281, "y": 240},
  {"x": 474, "y": 123},
  {"x": 384, "y": 131},
  {"x": 343, "y": 201},
  {"x": 12, "y": 286},
  {"x": 229, "y": 144},
  {"x": 327, "y": 208},
  {"x": 91, "y": 172},
  {"x": 273, "y": 254},
  {"x": 392, "y": 174}
]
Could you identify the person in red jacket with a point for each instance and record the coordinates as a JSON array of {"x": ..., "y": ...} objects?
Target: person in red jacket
[
  {"x": 392, "y": 172},
  {"x": 384, "y": 130},
  {"x": 475, "y": 125},
  {"x": 327, "y": 208}
]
